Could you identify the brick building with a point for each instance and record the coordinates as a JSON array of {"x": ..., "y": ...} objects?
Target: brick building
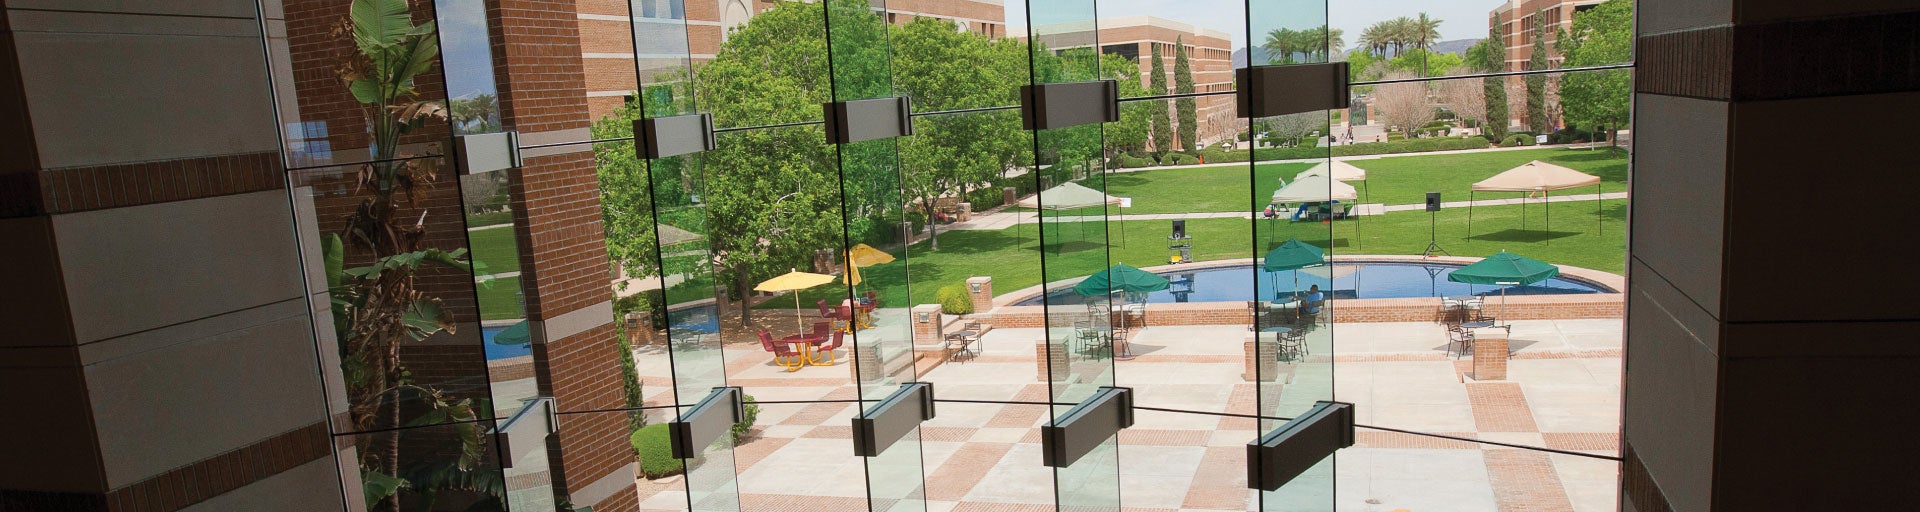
[
  {"x": 610, "y": 28},
  {"x": 1209, "y": 52},
  {"x": 1517, "y": 19}
]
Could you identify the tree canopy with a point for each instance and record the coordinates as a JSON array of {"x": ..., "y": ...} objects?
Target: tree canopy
[{"x": 1599, "y": 36}]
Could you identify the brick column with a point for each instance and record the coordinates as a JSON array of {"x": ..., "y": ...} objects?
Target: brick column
[
  {"x": 1044, "y": 352},
  {"x": 980, "y": 290},
  {"x": 563, "y": 252},
  {"x": 1262, "y": 359},
  {"x": 1490, "y": 354},
  {"x": 926, "y": 324}
]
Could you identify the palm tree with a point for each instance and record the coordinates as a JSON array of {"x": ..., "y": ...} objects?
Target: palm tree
[
  {"x": 1280, "y": 45},
  {"x": 1400, "y": 33},
  {"x": 1374, "y": 39},
  {"x": 1424, "y": 32},
  {"x": 1335, "y": 38}
]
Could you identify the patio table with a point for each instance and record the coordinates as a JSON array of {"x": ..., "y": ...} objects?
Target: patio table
[
  {"x": 807, "y": 343},
  {"x": 862, "y": 312}
]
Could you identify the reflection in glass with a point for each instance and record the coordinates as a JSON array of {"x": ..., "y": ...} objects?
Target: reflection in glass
[
  {"x": 473, "y": 100},
  {"x": 354, "y": 103}
]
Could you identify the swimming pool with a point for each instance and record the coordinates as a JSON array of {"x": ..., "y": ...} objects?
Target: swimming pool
[
  {"x": 1360, "y": 280},
  {"x": 704, "y": 318}
]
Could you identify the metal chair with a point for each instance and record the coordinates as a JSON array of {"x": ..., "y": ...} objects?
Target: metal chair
[{"x": 838, "y": 338}]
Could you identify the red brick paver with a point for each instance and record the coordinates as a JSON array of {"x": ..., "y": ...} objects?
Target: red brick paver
[
  {"x": 1499, "y": 407},
  {"x": 1525, "y": 481}
]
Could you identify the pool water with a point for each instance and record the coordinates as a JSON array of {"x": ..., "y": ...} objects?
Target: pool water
[
  {"x": 698, "y": 318},
  {"x": 1348, "y": 281}
]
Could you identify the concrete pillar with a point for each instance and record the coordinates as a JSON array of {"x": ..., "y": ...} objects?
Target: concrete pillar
[
  {"x": 980, "y": 290},
  {"x": 1262, "y": 359},
  {"x": 1745, "y": 390},
  {"x": 926, "y": 324}
]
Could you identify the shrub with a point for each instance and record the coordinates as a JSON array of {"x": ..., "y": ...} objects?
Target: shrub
[
  {"x": 1517, "y": 139},
  {"x": 746, "y": 422},
  {"x": 954, "y": 300},
  {"x": 655, "y": 450},
  {"x": 1182, "y": 159},
  {"x": 1129, "y": 161}
]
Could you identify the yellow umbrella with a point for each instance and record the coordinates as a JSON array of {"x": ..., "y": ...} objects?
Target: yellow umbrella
[
  {"x": 863, "y": 255},
  {"x": 866, "y": 256},
  {"x": 793, "y": 281}
]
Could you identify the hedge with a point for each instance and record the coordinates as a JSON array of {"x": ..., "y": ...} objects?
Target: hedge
[
  {"x": 653, "y": 445},
  {"x": 1517, "y": 140}
]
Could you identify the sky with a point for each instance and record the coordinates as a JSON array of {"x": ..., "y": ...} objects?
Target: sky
[{"x": 1461, "y": 19}]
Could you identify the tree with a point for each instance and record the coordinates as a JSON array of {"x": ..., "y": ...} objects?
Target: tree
[
  {"x": 1466, "y": 97},
  {"x": 943, "y": 68},
  {"x": 1403, "y": 105},
  {"x": 1490, "y": 56},
  {"x": 1602, "y": 35},
  {"x": 1291, "y": 128},
  {"x": 1162, "y": 128},
  {"x": 1537, "y": 83},
  {"x": 1187, "y": 107},
  {"x": 776, "y": 192},
  {"x": 1423, "y": 32}
]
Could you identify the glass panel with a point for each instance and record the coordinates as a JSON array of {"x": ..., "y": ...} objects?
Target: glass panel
[
  {"x": 1073, "y": 244},
  {"x": 986, "y": 456},
  {"x": 473, "y": 103},
  {"x": 448, "y": 465},
  {"x": 1434, "y": 38},
  {"x": 375, "y": 356},
  {"x": 761, "y": 75},
  {"x": 1193, "y": 45},
  {"x": 323, "y": 120},
  {"x": 957, "y": 55},
  {"x": 528, "y": 477},
  {"x": 798, "y": 456},
  {"x": 1302, "y": 222},
  {"x": 1532, "y": 363}
]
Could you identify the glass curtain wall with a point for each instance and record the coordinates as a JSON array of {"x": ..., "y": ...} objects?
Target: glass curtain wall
[
  {"x": 406, "y": 299},
  {"x": 1231, "y": 272}
]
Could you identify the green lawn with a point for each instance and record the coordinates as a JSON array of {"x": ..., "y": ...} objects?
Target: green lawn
[
  {"x": 1008, "y": 255},
  {"x": 1390, "y": 180},
  {"x": 495, "y": 249}
]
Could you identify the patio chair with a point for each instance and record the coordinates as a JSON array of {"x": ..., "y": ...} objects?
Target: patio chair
[
  {"x": 825, "y": 312},
  {"x": 1461, "y": 337},
  {"x": 873, "y": 297},
  {"x": 780, "y": 350},
  {"x": 1135, "y": 314},
  {"x": 843, "y": 319},
  {"x": 838, "y": 338},
  {"x": 1475, "y": 309},
  {"x": 820, "y": 329}
]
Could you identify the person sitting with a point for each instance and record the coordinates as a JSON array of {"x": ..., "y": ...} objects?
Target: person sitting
[
  {"x": 1269, "y": 212},
  {"x": 1311, "y": 305}
]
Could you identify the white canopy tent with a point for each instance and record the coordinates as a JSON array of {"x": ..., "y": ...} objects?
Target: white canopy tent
[
  {"x": 1314, "y": 188},
  {"x": 1317, "y": 188},
  {"x": 1531, "y": 177},
  {"x": 1069, "y": 196}
]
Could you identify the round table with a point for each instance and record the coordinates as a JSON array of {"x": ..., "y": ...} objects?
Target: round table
[{"x": 807, "y": 343}]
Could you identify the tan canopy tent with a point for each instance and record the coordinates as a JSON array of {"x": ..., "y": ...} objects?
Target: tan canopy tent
[
  {"x": 1068, "y": 196},
  {"x": 670, "y": 235},
  {"x": 1531, "y": 177}
]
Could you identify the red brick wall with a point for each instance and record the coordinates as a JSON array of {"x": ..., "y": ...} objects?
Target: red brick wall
[
  {"x": 563, "y": 252},
  {"x": 316, "y": 55}
]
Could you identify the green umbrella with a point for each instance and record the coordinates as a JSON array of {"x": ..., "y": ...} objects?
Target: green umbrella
[
  {"x": 1121, "y": 278},
  {"x": 1294, "y": 255},
  {"x": 1505, "y": 270},
  {"x": 516, "y": 334}
]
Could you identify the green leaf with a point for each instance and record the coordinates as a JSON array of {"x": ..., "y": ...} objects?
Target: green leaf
[
  {"x": 379, "y": 23},
  {"x": 333, "y": 258},
  {"x": 365, "y": 90},
  {"x": 380, "y": 486}
]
